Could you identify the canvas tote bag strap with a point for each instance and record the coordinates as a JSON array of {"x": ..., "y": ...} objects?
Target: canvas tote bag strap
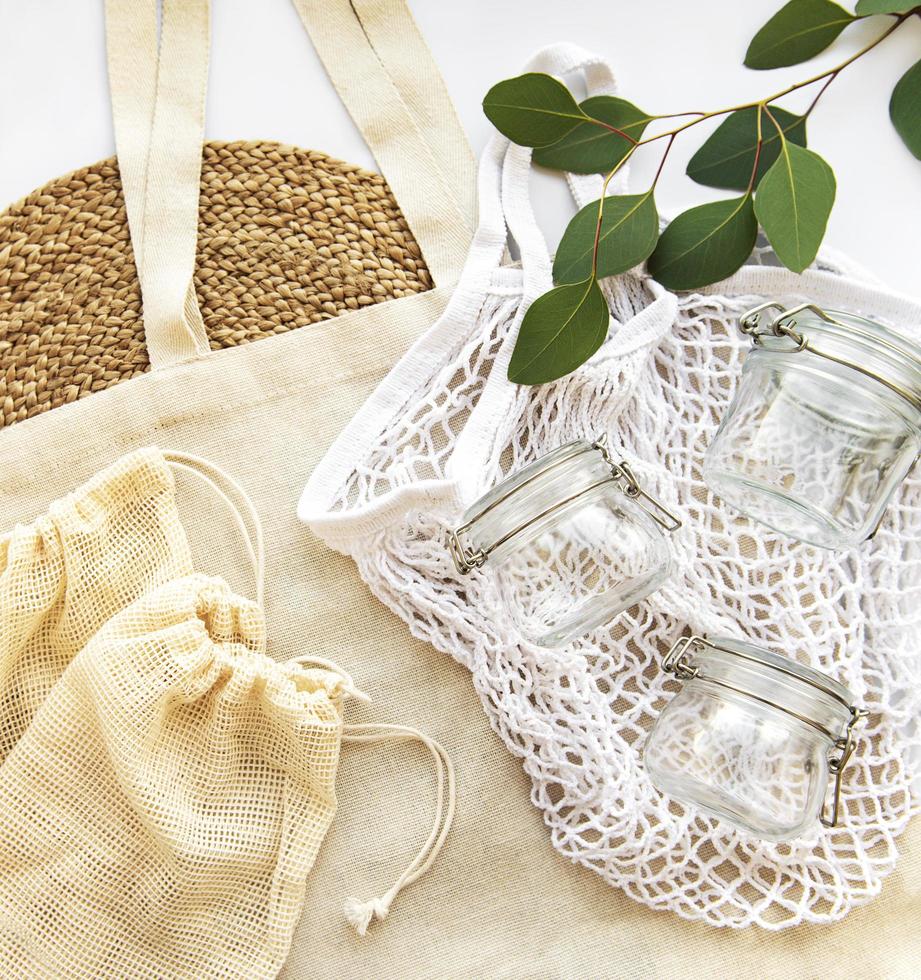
[
  {"x": 158, "y": 107},
  {"x": 374, "y": 53},
  {"x": 402, "y": 50}
]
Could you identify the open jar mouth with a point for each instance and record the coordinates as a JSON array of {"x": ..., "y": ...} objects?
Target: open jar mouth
[
  {"x": 803, "y": 695},
  {"x": 519, "y": 504}
]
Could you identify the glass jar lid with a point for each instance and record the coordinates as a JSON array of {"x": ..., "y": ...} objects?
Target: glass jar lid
[
  {"x": 808, "y": 695},
  {"x": 873, "y": 350},
  {"x": 520, "y": 502}
]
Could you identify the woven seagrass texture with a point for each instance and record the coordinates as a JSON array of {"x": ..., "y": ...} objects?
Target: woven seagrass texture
[{"x": 286, "y": 237}]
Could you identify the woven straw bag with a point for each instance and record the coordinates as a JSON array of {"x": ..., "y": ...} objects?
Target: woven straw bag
[
  {"x": 286, "y": 238},
  {"x": 501, "y": 903}
]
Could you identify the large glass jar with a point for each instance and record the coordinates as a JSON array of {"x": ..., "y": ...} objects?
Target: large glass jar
[
  {"x": 752, "y": 738},
  {"x": 824, "y": 426},
  {"x": 571, "y": 541}
]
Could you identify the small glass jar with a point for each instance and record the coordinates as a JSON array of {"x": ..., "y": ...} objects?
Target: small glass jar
[
  {"x": 825, "y": 425},
  {"x": 571, "y": 541},
  {"x": 752, "y": 738}
]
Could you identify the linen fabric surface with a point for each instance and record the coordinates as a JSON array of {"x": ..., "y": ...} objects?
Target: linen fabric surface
[
  {"x": 500, "y": 902},
  {"x": 446, "y": 425}
]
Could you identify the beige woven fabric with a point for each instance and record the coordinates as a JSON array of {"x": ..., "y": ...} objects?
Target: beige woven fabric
[
  {"x": 69, "y": 571},
  {"x": 164, "y": 806},
  {"x": 500, "y": 902}
]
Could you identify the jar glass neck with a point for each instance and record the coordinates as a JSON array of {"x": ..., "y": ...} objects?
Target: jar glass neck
[
  {"x": 801, "y": 692},
  {"x": 884, "y": 357}
]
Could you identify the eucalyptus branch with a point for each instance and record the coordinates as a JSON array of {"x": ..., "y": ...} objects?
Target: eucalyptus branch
[
  {"x": 830, "y": 74},
  {"x": 782, "y": 187}
]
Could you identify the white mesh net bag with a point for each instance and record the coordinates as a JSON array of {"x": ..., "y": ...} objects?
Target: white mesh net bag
[{"x": 446, "y": 425}]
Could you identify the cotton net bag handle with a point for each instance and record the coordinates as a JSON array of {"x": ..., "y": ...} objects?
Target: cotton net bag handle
[{"x": 158, "y": 87}]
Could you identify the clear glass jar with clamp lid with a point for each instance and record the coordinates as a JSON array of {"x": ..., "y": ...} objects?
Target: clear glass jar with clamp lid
[
  {"x": 571, "y": 540},
  {"x": 752, "y": 738},
  {"x": 824, "y": 426}
]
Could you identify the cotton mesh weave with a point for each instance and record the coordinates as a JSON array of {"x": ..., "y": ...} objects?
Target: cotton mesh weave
[
  {"x": 446, "y": 425},
  {"x": 72, "y": 569},
  {"x": 160, "y": 814}
]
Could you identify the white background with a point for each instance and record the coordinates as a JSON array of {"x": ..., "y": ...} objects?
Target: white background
[{"x": 674, "y": 56}]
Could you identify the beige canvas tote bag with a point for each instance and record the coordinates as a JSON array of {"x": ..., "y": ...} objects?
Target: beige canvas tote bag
[{"x": 500, "y": 902}]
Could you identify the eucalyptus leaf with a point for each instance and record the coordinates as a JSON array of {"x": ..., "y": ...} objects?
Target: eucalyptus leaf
[
  {"x": 629, "y": 232},
  {"x": 560, "y": 331},
  {"x": 590, "y": 148},
  {"x": 532, "y": 109},
  {"x": 793, "y": 204},
  {"x": 705, "y": 244},
  {"x": 797, "y": 32},
  {"x": 727, "y": 158},
  {"x": 866, "y": 8},
  {"x": 905, "y": 108}
]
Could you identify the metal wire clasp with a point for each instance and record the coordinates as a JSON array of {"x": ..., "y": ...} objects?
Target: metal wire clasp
[
  {"x": 465, "y": 559},
  {"x": 678, "y": 660},
  {"x": 781, "y": 326},
  {"x": 845, "y": 745},
  {"x": 631, "y": 486}
]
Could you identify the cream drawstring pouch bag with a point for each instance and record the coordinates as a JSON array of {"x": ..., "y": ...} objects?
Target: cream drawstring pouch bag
[
  {"x": 69, "y": 571},
  {"x": 170, "y": 784},
  {"x": 161, "y": 812}
]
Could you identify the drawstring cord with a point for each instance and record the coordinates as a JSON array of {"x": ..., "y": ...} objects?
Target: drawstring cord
[
  {"x": 359, "y": 914},
  {"x": 348, "y": 685},
  {"x": 214, "y": 476}
]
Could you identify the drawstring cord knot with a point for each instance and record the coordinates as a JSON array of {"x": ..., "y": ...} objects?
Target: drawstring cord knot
[
  {"x": 349, "y": 689},
  {"x": 360, "y": 914}
]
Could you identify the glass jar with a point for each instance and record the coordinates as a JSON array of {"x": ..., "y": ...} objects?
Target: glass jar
[
  {"x": 752, "y": 738},
  {"x": 825, "y": 425},
  {"x": 571, "y": 541}
]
